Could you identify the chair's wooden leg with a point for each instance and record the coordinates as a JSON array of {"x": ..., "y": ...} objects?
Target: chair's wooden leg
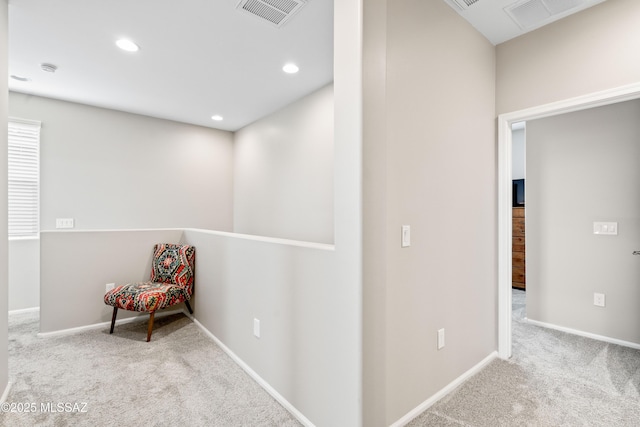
[
  {"x": 150, "y": 327},
  {"x": 113, "y": 319},
  {"x": 188, "y": 306}
]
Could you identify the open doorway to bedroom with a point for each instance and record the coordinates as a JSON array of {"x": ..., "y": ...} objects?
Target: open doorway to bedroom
[{"x": 505, "y": 149}]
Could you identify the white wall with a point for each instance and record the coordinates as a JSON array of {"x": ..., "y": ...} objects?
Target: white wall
[
  {"x": 289, "y": 289},
  {"x": 374, "y": 199},
  {"x": 283, "y": 172},
  {"x": 346, "y": 355},
  {"x": 114, "y": 170},
  {"x": 518, "y": 154},
  {"x": 4, "y": 78},
  {"x": 430, "y": 162},
  {"x": 24, "y": 273},
  {"x": 75, "y": 267},
  {"x": 584, "y": 167},
  {"x": 587, "y": 52}
]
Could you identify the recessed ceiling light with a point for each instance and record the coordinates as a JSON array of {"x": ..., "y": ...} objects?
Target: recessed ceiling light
[
  {"x": 20, "y": 78},
  {"x": 128, "y": 45},
  {"x": 217, "y": 118},
  {"x": 290, "y": 68}
]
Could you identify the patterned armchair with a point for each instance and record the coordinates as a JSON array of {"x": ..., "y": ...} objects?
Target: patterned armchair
[{"x": 171, "y": 282}]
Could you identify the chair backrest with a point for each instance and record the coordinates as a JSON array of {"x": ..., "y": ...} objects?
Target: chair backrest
[{"x": 174, "y": 264}]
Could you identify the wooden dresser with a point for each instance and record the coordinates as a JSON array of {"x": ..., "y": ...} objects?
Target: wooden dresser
[{"x": 518, "y": 275}]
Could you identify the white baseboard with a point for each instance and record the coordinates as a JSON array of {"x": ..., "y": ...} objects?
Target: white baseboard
[
  {"x": 24, "y": 310},
  {"x": 4, "y": 396},
  {"x": 79, "y": 329},
  {"x": 444, "y": 391},
  {"x": 253, "y": 374},
  {"x": 584, "y": 334}
]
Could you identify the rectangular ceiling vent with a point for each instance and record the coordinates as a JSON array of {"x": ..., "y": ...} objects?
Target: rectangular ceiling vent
[
  {"x": 276, "y": 12},
  {"x": 530, "y": 14},
  {"x": 464, "y": 4}
]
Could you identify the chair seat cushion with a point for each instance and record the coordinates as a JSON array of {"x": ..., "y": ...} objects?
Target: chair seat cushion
[{"x": 145, "y": 296}]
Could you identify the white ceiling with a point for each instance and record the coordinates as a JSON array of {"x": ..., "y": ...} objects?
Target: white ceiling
[
  {"x": 197, "y": 58},
  {"x": 502, "y": 20},
  {"x": 200, "y": 58}
]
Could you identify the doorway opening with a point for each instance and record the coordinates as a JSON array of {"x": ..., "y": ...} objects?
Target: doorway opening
[{"x": 505, "y": 189}]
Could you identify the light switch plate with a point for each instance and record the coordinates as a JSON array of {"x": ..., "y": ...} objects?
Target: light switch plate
[
  {"x": 406, "y": 236},
  {"x": 605, "y": 228},
  {"x": 256, "y": 328},
  {"x": 440, "y": 338}
]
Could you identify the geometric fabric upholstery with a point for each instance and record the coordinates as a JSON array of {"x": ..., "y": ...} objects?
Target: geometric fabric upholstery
[
  {"x": 171, "y": 281},
  {"x": 145, "y": 296},
  {"x": 173, "y": 264}
]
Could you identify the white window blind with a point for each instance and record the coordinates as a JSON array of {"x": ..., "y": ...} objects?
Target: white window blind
[{"x": 23, "y": 177}]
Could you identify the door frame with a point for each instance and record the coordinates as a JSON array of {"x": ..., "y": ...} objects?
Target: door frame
[{"x": 505, "y": 121}]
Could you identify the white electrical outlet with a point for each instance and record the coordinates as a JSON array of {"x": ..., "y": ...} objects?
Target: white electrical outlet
[
  {"x": 440, "y": 338},
  {"x": 598, "y": 299},
  {"x": 109, "y": 286},
  {"x": 256, "y": 328}
]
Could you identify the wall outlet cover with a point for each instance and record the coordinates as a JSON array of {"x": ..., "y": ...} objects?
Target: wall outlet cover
[
  {"x": 598, "y": 300},
  {"x": 64, "y": 223}
]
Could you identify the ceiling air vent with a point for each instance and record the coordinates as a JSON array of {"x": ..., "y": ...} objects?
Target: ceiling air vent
[
  {"x": 464, "y": 4},
  {"x": 531, "y": 14},
  {"x": 276, "y": 12}
]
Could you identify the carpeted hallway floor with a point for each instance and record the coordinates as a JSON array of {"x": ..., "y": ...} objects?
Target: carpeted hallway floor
[
  {"x": 553, "y": 379},
  {"x": 180, "y": 378}
]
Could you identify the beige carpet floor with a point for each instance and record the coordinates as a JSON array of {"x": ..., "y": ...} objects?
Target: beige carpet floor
[
  {"x": 553, "y": 379},
  {"x": 180, "y": 378}
]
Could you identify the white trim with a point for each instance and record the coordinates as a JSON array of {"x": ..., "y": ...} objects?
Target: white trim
[
  {"x": 25, "y": 121},
  {"x": 24, "y": 310},
  {"x": 13, "y": 238},
  {"x": 504, "y": 238},
  {"x": 253, "y": 374},
  {"x": 597, "y": 99},
  {"x": 444, "y": 391},
  {"x": 274, "y": 240},
  {"x": 5, "y": 394},
  {"x": 108, "y": 230},
  {"x": 584, "y": 334},
  {"x": 79, "y": 329}
]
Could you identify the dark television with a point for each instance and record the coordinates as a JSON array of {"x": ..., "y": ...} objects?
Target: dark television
[{"x": 518, "y": 192}]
